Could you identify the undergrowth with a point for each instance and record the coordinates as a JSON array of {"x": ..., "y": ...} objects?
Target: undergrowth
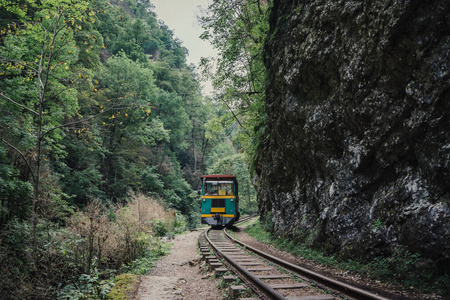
[
  {"x": 404, "y": 268},
  {"x": 143, "y": 265},
  {"x": 80, "y": 258}
]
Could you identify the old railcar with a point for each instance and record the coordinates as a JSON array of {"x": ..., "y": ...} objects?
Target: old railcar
[{"x": 220, "y": 200}]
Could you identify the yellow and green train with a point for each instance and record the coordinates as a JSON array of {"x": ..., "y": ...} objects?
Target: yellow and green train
[{"x": 220, "y": 200}]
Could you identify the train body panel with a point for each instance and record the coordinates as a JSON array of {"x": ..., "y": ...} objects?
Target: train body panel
[{"x": 220, "y": 200}]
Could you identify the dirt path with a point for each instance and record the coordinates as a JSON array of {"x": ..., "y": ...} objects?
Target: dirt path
[{"x": 177, "y": 277}]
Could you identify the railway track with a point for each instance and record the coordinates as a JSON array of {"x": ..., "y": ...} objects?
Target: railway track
[{"x": 268, "y": 276}]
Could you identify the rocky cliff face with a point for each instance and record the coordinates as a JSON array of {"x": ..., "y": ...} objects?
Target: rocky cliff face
[{"x": 357, "y": 149}]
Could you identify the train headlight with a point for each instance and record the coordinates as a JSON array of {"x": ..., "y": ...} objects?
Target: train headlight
[{"x": 232, "y": 200}]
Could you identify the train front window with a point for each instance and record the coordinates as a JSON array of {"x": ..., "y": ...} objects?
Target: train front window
[{"x": 219, "y": 188}]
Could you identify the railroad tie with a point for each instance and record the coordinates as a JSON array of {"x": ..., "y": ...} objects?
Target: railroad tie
[
  {"x": 229, "y": 278},
  {"x": 219, "y": 271},
  {"x": 214, "y": 266},
  {"x": 250, "y": 264},
  {"x": 235, "y": 290},
  {"x": 273, "y": 276},
  {"x": 315, "y": 297},
  {"x": 245, "y": 259},
  {"x": 289, "y": 286},
  {"x": 210, "y": 257},
  {"x": 259, "y": 269}
]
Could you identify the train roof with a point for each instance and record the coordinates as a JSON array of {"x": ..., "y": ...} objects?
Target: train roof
[{"x": 219, "y": 177}]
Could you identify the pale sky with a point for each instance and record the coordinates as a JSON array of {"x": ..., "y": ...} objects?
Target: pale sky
[{"x": 181, "y": 17}]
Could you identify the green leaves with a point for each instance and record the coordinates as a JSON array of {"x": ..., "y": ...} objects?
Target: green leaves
[
  {"x": 238, "y": 30},
  {"x": 16, "y": 8},
  {"x": 171, "y": 110},
  {"x": 129, "y": 80},
  {"x": 64, "y": 62}
]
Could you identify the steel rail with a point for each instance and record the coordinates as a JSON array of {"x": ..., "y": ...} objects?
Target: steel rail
[
  {"x": 329, "y": 282},
  {"x": 243, "y": 219},
  {"x": 267, "y": 290}
]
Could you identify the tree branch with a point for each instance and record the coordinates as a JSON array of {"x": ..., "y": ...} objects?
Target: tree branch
[
  {"x": 235, "y": 117},
  {"x": 18, "y": 104},
  {"x": 18, "y": 62},
  {"x": 20, "y": 153},
  {"x": 80, "y": 121}
]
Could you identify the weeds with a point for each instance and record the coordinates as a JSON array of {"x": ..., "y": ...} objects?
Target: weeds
[
  {"x": 378, "y": 224},
  {"x": 258, "y": 232},
  {"x": 408, "y": 269},
  {"x": 86, "y": 287},
  {"x": 143, "y": 265}
]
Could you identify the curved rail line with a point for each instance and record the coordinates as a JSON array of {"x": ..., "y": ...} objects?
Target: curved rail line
[
  {"x": 226, "y": 248},
  {"x": 248, "y": 276}
]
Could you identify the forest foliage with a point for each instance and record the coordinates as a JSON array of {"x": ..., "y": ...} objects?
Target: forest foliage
[
  {"x": 238, "y": 30},
  {"x": 100, "y": 117}
]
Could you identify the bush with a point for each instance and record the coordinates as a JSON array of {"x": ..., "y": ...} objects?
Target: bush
[
  {"x": 143, "y": 265},
  {"x": 120, "y": 238},
  {"x": 181, "y": 224},
  {"x": 159, "y": 227},
  {"x": 86, "y": 287},
  {"x": 101, "y": 241}
]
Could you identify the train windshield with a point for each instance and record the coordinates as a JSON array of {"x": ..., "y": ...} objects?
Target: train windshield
[{"x": 218, "y": 188}]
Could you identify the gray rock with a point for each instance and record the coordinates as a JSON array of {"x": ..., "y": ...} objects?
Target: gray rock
[{"x": 357, "y": 153}]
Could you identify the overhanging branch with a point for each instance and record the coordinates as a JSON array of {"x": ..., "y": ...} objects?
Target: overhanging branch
[
  {"x": 81, "y": 121},
  {"x": 18, "y": 104},
  {"x": 21, "y": 154},
  {"x": 236, "y": 118}
]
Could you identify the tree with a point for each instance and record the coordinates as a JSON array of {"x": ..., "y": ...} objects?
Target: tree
[
  {"x": 238, "y": 29},
  {"x": 37, "y": 57},
  {"x": 131, "y": 84}
]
